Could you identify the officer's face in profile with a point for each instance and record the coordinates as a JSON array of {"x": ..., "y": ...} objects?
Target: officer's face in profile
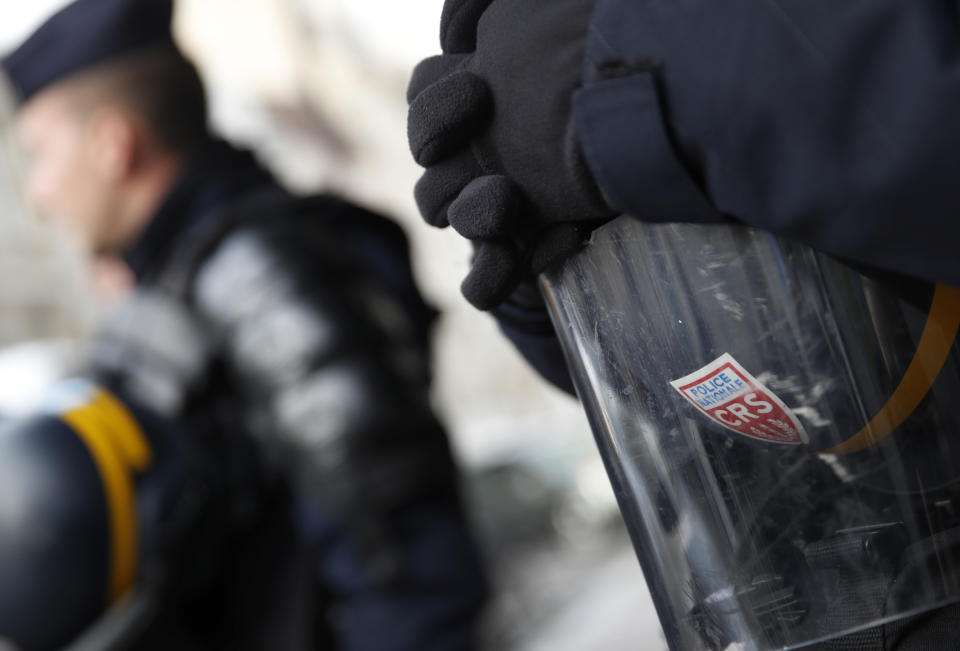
[{"x": 71, "y": 166}]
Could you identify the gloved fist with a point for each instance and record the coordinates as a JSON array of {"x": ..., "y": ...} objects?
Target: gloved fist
[{"x": 490, "y": 119}]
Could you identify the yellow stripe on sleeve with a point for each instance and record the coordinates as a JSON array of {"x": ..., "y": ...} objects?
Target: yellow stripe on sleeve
[{"x": 119, "y": 449}]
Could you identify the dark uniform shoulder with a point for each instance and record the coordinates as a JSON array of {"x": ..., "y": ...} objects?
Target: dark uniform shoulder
[{"x": 310, "y": 246}]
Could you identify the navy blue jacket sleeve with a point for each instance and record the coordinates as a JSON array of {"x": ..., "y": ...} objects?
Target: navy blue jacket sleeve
[
  {"x": 528, "y": 327},
  {"x": 833, "y": 123}
]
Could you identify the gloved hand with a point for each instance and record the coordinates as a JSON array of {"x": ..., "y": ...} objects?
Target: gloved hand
[{"x": 490, "y": 119}]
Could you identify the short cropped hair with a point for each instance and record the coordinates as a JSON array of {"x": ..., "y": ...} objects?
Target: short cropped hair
[{"x": 158, "y": 85}]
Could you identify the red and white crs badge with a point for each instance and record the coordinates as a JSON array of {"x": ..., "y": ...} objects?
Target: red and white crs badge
[{"x": 729, "y": 395}]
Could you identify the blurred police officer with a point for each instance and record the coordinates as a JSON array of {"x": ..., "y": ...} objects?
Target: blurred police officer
[{"x": 257, "y": 316}]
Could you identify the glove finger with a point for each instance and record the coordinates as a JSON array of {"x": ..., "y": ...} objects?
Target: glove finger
[
  {"x": 431, "y": 70},
  {"x": 441, "y": 183},
  {"x": 445, "y": 115},
  {"x": 485, "y": 208},
  {"x": 557, "y": 243},
  {"x": 497, "y": 268},
  {"x": 458, "y": 24}
]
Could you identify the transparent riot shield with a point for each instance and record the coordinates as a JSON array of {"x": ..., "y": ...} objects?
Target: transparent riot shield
[{"x": 782, "y": 432}]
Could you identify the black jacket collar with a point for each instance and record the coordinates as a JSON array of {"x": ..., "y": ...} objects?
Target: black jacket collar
[{"x": 212, "y": 177}]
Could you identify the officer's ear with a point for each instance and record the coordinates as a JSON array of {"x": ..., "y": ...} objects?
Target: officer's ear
[{"x": 114, "y": 142}]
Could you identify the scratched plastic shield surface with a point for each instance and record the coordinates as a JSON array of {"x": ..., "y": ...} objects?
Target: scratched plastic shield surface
[{"x": 781, "y": 430}]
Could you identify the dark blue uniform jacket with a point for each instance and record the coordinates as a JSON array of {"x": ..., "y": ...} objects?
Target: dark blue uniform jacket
[{"x": 833, "y": 123}]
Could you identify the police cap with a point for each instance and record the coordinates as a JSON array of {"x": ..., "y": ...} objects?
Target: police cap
[{"x": 84, "y": 34}]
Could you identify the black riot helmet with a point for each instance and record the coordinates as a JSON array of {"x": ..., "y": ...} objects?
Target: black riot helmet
[{"x": 91, "y": 494}]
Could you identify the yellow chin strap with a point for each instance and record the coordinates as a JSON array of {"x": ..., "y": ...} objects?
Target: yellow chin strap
[
  {"x": 120, "y": 450},
  {"x": 934, "y": 347}
]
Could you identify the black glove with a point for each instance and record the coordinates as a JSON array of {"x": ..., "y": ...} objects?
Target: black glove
[{"x": 490, "y": 119}]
